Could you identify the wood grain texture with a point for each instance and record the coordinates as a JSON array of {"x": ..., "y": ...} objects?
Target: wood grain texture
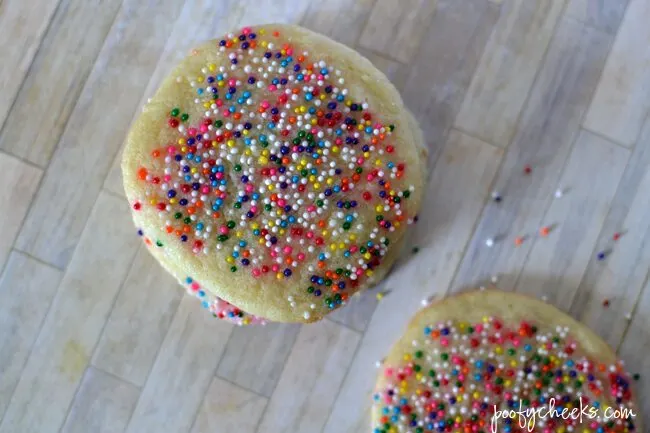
[
  {"x": 94, "y": 134},
  {"x": 103, "y": 404},
  {"x": 255, "y": 356},
  {"x": 577, "y": 218},
  {"x": 505, "y": 75},
  {"x": 438, "y": 77},
  {"x": 196, "y": 23},
  {"x": 358, "y": 311},
  {"x": 603, "y": 14},
  {"x": 55, "y": 80},
  {"x": 27, "y": 288},
  {"x": 341, "y": 20},
  {"x": 183, "y": 370},
  {"x": 229, "y": 408},
  {"x": 637, "y": 361},
  {"x": 548, "y": 128},
  {"x": 315, "y": 368},
  {"x": 392, "y": 69},
  {"x": 19, "y": 183},
  {"x": 75, "y": 320},
  {"x": 26, "y": 22},
  {"x": 621, "y": 276},
  {"x": 458, "y": 188},
  {"x": 396, "y": 28},
  {"x": 139, "y": 320},
  {"x": 622, "y": 99}
]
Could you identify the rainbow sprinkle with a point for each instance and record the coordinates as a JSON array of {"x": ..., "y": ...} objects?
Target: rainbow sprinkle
[
  {"x": 271, "y": 174},
  {"x": 459, "y": 372}
]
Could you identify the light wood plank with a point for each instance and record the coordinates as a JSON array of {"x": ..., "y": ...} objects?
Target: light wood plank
[
  {"x": 26, "y": 22},
  {"x": 622, "y": 99},
  {"x": 255, "y": 356},
  {"x": 557, "y": 262},
  {"x": 633, "y": 352},
  {"x": 438, "y": 77},
  {"x": 229, "y": 408},
  {"x": 457, "y": 190},
  {"x": 396, "y": 28},
  {"x": 621, "y": 276},
  {"x": 27, "y": 288},
  {"x": 507, "y": 69},
  {"x": 356, "y": 314},
  {"x": 548, "y": 128},
  {"x": 139, "y": 320},
  {"x": 95, "y": 132},
  {"x": 196, "y": 23},
  {"x": 392, "y": 69},
  {"x": 603, "y": 14},
  {"x": 56, "y": 77},
  {"x": 311, "y": 379},
  {"x": 103, "y": 404},
  {"x": 75, "y": 320},
  {"x": 182, "y": 372},
  {"x": 19, "y": 183},
  {"x": 341, "y": 20}
]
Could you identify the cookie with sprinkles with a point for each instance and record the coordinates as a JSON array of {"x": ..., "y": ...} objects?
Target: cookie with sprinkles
[
  {"x": 491, "y": 361},
  {"x": 279, "y": 169}
]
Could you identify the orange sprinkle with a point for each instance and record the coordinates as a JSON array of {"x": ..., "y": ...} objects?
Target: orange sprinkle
[
  {"x": 237, "y": 116},
  {"x": 142, "y": 173}
]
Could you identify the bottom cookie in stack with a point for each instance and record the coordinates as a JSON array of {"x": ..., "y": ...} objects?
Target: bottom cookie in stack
[{"x": 491, "y": 361}]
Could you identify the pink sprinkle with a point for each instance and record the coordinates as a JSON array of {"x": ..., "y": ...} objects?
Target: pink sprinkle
[
  {"x": 226, "y": 113},
  {"x": 388, "y": 372},
  {"x": 338, "y": 141},
  {"x": 353, "y": 249},
  {"x": 232, "y": 82},
  {"x": 171, "y": 150},
  {"x": 203, "y": 128},
  {"x": 289, "y": 51},
  {"x": 246, "y": 30},
  {"x": 192, "y": 131},
  {"x": 195, "y": 286},
  {"x": 301, "y": 256},
  {"x": 219, "y": 103},
  {"x": 205, "y": 189},
  {"x": 311, "y": 208},
  {"x": 360, "y": 161},
  {"x": 408, "y": 371},
  {"x": 223, "y": 230},
  {"x": 444, "y": 342},
  {"x": 370, "y": 177},
  {"x": 321, "y": 77},
  {"x": 273, "y": 253},
  {"x": 265, "y": 104},
  {"x": 479, "y": 328},
  {"x": 359, "y": 272},
  {"x": 167, "y": 178},
  {"x": 219, "y": 175},
  {"x": 314, "y": 131},
  {"x": 272, "y": 88},
  {"x": 281, "y": 202},
  {"x": 287, "y": 249},
  {"x": 256, "y": 272},
  {"x": 310, "y": 234},
  {"x": 253, "y": 209},
  {"x": 275, "y": 268}
]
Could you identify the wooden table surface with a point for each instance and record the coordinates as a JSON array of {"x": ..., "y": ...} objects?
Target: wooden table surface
[{"x": 560, "y": 85}]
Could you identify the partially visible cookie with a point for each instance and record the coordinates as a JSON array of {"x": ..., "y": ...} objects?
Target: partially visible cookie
[{"x": 468, "y": 360}]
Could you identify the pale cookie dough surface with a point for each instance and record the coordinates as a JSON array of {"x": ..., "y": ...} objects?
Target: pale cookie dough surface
[
  {"x": 465, "y": 354},
  {"x": 281, "y": 197}
]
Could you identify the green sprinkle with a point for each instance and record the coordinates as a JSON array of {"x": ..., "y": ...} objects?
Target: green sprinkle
[
  {"x": 184, "y": 117},
  {"x": 175, "y": 112},
  {"x": 233, "y": 269}
]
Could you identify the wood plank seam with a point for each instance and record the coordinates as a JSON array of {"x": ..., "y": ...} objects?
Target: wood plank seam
[
  {"x": 40, "y": 326},
  {"x": 31, "y": 63},
  {"x": 611, "y": 140},
  {"x": 634, "y": 310},
  {"x": 92, "y": 352},
  {"x": 479, "y": 216}
]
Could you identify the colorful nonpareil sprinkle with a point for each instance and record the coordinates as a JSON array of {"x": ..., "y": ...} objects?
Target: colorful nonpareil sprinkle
[
  {"x": 458, "y": 373},
  {"x": 273, "y": 171}
]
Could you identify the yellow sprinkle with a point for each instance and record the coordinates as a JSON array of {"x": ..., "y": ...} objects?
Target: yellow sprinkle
[
  {"x": 368, "y": 272},
  {"x": 323, "y": 233},
  {"x": 281, "y": 231},
  {"x": 263, "y": 160},
  {"x": 214, "y": 143},
  {"x": 221, "y": 83},
  {"x": 360, "y": 127},
  {"x": 396, "y": 224},
  {"x": 333, "y": 247},
  {"x": 367, "y": 256},
  {"x": 261, "y": 241},
  {"x": 312, "y": 178},
  {"x": 245, "y": 132},
  {"x": 230, "y": 143},
  {"x": 246, "y": 321},
  {"x": 278, "y": 275},
  {"x": 352, "y": 236},
  {"x": 248, "y": 152},
  {"x": 265, "y": 152},
  {"x": 239, "y": 234},
  {"x": 181, "y": 141},
  {"x": 296, "y": 110},
  {"x": 380, "y": 296},
  {"x": 271, "y": 224},
  {"x": 348, "y": 103},
  {"x": 322, "y": 97},
  {"x": 317, "y": 185},
  {"x": 329, "y": 181},
  {"x": 200, "y": 79},
  {"x": 262, "y": 32},
  {"x": 407, "y": 357},
  {"x": 335, "y": 149},
  {"x": 366, "y": 154},
  {"x": 368, "y": 123},
  {"x": 193, "y": 170},
  {"x": 206, "y": 105},
  {"x": 498, "y": 350},
  {"x": 313, "y": 121},
  {"x": 377, "y": 162},
  {"x": 152, "y": 201},
  {"x": 303, "y": 109},
  {"x": 172, "y": 201},
  {"x": 230, "y": 260},
  {"x": 379, "y": 208},
  {"x": 341, "y": 246},
  {"x": 212, "y": 67},
  {"x": 255, "y": 226}
]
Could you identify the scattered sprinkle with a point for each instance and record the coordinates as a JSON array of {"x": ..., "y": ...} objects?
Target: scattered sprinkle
[
  {"x": 519, "y": 240},
  {"x": 489, "y": 242},
  {"x": 528, "y": 169},
  {"x": 496, "y": 196},
  {"x": 544, "y": 231}
]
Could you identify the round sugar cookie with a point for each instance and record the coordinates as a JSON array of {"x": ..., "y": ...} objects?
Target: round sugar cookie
[
  {"x": 468, "y": 360},
  {"x": 279, "y": 169}
]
